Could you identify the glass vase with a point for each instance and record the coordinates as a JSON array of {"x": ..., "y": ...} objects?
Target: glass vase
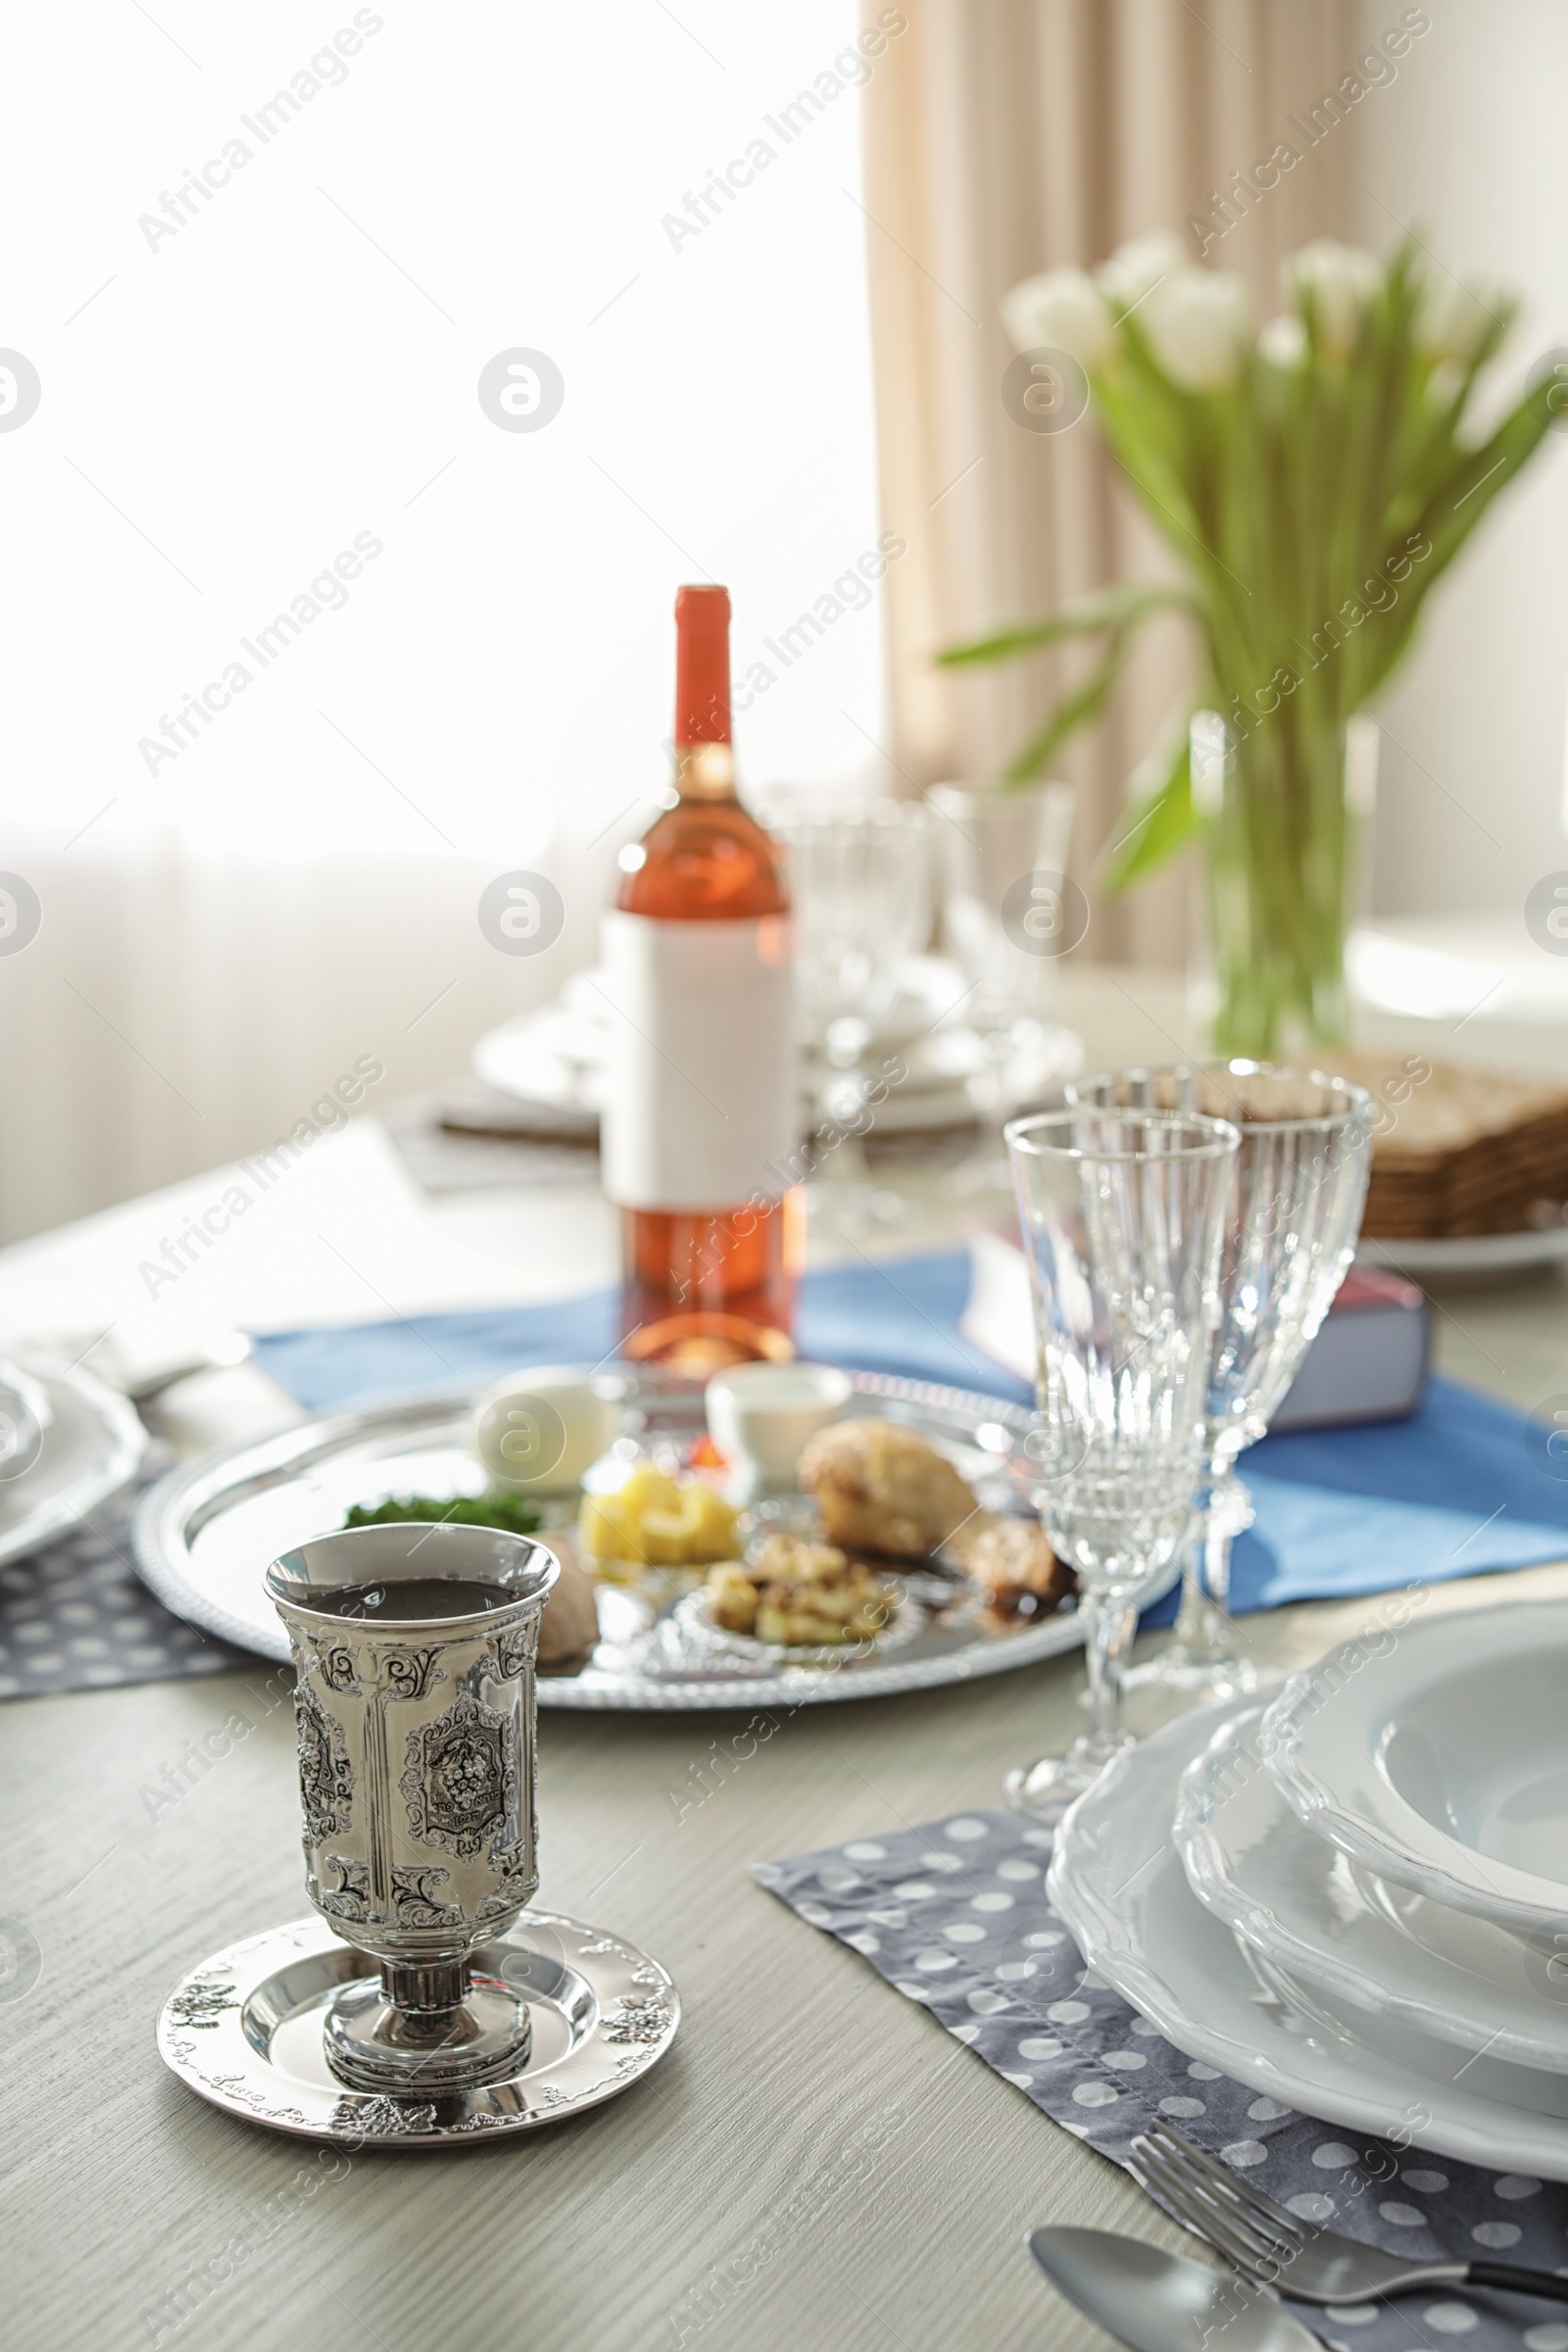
[{"x": 1286, "y": 804}]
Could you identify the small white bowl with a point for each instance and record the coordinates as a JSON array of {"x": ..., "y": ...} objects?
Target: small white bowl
[{"x": 762, "y": 1414}]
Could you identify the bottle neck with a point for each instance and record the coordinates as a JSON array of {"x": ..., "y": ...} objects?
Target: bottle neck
[
  {"x": 704, "y": 771},
  {"x": 704, "y": 763}
]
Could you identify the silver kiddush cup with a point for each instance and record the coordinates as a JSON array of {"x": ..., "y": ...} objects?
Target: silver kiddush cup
[{"x": 414, "y": 1653}]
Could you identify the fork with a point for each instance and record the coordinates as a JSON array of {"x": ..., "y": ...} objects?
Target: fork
[{"x": 1299, "y": 2258}]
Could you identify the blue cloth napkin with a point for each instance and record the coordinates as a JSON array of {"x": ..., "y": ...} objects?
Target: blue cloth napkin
[
  {"x": 900, "y": 1317},
  {"x": 1454, "y": 1489}
]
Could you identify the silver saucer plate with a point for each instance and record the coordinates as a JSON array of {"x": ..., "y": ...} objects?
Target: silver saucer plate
[
  {"x": 244, "y": 2031},
  {"x": 204, "y": 1535}
]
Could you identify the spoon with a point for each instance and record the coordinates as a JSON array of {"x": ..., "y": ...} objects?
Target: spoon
[{"x": 1159, "y": 2302}]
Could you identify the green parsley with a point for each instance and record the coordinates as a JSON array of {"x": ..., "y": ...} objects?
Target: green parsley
[{"x": 513, "y": 1515}]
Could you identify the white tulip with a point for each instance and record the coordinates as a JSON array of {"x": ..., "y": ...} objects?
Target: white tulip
[
  {"x": 1060, "y": 309},
  {"x": 1451, "y": 317},
  {"x": 1196, "y": 322},
  {"x": 1283, "y": 342},
  {"x": 1134, "y": 269},
  {"x": 1342, "y": 280}
]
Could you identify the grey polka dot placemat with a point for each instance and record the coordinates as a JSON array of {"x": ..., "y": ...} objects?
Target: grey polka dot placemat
[
  {"x": 954, "y": 1916},
  {"x": 76, "y": 1617}
]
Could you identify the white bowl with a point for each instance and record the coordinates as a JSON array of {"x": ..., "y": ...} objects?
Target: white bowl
[
  {"x": 1387, "y": 1956},
  {"x": 764, "y": 1413},
  {"x": 1439, "y": 1761}
]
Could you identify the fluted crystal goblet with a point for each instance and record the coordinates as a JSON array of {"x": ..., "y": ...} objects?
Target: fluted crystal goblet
[
  {"x": 1123, "y": 1213},
  {"x": 1297, "y": 1185}
]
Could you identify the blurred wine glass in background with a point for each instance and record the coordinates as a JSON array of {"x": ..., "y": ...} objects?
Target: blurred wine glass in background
[
  {"x": 861, "y": 890},
  {"x": 1009, "y": 914}
]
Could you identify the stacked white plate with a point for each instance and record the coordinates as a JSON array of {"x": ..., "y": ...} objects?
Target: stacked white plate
[
  {"x": 558, "y": 1055},
  {"x": 1354, "y": 1897}
]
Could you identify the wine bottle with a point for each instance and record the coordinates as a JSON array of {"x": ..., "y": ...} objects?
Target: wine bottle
[{"x": 700, "y": 1130}]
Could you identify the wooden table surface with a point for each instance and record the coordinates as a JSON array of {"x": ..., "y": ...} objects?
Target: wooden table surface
[{"x": 132, "y": 2214}]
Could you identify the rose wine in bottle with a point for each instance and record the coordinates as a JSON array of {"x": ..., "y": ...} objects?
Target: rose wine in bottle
[{"x": 701, "y": 1126}]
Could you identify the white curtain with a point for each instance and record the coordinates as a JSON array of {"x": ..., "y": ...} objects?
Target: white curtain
[
  {"x": 1009, "y": 136},
  {"x": 179, "y": 1007}
]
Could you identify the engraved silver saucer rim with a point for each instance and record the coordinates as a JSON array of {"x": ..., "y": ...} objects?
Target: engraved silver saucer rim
[
  {"x": 211, "y": 2031},
  {"x": 173, "y": 1513}
]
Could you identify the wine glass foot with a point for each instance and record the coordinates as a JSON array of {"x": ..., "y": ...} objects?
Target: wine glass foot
[
  {"x": 1047, "y": 1789},
  {"x": 1227, "y": 1675},
  {"x": 1158, "y": 1689}
]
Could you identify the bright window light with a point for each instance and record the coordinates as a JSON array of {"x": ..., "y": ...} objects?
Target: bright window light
[
  {"x": 1399, "y": 975},
  {"x": 274, "y": 577}
]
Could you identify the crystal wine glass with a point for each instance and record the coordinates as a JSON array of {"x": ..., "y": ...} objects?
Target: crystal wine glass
[
  {"x": 1298, "y": 1187},
  {"x": 1123, "y": 1213},
  {"x": 859, "y": 881}
]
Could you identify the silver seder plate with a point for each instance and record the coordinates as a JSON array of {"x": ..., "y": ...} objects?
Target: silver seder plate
[
  {"x": 244, "y": 2031},
  {"x": 204, "y": 1536}
]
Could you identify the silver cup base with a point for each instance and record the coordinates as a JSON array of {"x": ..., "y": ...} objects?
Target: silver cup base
[{"x": 373, "y": 2043}]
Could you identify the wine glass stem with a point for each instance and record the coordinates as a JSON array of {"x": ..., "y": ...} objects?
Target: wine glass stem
[
  {"x": 1110, "y": 1619},
  {"x": 988, "y": 1092},
  {"x": 1202, "y": 1625},
  {"x": 1191, "y": 1631}
]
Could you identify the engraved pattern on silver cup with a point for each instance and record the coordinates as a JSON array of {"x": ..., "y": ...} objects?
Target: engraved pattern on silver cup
[
  {"x": 418, "y": 1756},
  {"x": 416, "y": 1742}
]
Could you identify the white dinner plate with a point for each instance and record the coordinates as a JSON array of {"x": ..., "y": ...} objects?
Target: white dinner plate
[
  {"x": 1116, "y": 1882},
  {"x": 1529, "y": 2087},
  {"x": 559, "y": 1052},
  {"x": 1468, "y": 1254},
  {"x": 91, "y": 1447},
  {"x": 1304, "y": 1906},
  {"x": 1441, "y": 1763},
  {"x": 557, "y": 1055}
]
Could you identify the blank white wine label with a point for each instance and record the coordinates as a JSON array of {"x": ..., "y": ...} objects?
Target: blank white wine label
[{"x": 701, "y": 1109}]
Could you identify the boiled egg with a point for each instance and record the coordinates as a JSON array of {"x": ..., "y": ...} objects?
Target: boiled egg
[{"x": 540, "y": 1429}]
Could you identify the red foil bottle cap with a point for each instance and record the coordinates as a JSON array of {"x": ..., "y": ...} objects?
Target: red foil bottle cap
[{"x": 701, "y": 666}]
